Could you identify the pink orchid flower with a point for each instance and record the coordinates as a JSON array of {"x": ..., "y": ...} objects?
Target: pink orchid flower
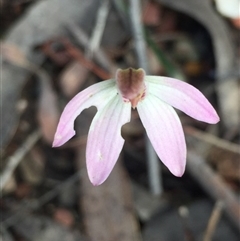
[{"x": 154, "y": 97}]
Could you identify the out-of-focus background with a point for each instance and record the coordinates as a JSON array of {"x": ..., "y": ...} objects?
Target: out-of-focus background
[{"x": 51, "y": 50}]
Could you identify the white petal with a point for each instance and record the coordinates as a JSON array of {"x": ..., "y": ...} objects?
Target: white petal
[
  {"x": 95, "y": 95},
  {"x": 182, "y": 96},
  {"x": 104, "y": 139},
  {"x": 165, "y": 132}
]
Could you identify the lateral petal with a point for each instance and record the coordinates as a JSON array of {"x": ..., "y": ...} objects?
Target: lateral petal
[
  {"x": 95, "y": 95},
  {"x": 165, "y": 132},
  {"x": 184, "y": 97},
  {"x": 104, "y": 139}
]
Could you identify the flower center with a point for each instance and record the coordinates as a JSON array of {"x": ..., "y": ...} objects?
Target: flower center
[{"x": 131, "y": 86}]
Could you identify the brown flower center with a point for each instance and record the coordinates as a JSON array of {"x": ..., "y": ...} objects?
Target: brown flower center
[{"x": 131, "y": 86}]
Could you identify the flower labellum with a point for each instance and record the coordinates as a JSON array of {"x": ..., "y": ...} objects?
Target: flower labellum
[{"x": 154, "y": 97}]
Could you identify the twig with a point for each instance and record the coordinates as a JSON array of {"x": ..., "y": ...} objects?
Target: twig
[
  {"x": 214, "y": 186},
  {"x": 36, "y": 204},
  {"x": 213, "y": 221},
  {"x": 154, "y": 169},
  {"x": 216, "y": 141},
  {"x": 76, "y": 54},
  {"x": 135, "y": 13},
  {"x": 15, "y": 159},
  {"x": 121, "y": 9},
  {"x": 184, "y": 215},
  {"x": 153, "y": 162},
  {"x": 99, "y": 28},
  {"x": 82, "y": 39}
]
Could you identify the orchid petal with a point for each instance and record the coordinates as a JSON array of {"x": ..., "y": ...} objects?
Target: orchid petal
[
  {"x": 165, "y": 132},
  {"x": 95, "y": 95},
  {"x": 182, "y": 96},
  {"x": 104, "y": 139}
]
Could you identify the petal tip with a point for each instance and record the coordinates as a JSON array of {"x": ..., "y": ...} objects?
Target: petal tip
[
  {"x": 212, "y": 119},
  {"x": 177, "y": 172},
  {"x": 95, "y": 184},
  {"x": 59, "y": 140},
  {"x": 96, "y": 174},
  {"x": 96, "y": 181},
  {"x": 56, "y": 142},
  {"x": 216, "y": 119}
]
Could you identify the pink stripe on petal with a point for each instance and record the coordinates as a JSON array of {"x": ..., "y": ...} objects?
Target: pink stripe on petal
[
  {"x": 184, "y": 97},
  {"x": 104, "y": 139},
  {"x": 95, "y": 95},
  {"x": 165, "y": 132}
]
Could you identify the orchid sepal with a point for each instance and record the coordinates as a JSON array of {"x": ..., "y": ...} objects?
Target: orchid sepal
[
  {"x": 95, "y": 95},
  {"x": 184, "y": 97}
]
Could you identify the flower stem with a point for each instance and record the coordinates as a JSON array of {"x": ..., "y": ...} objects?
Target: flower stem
[{"x": 153, "y": 162}]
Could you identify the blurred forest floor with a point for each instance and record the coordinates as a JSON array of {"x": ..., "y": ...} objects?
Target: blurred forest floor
[{"x": 51, "y": 50}]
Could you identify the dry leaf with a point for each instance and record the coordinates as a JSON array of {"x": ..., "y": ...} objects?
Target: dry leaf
[
  {"x": 64, "y": 217},
  {"x": 48, "y": 112},
  {"x": 72, "y": 78},
  {"x": 14, "y": 55},
  {"x": 151, "y": 14}
]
